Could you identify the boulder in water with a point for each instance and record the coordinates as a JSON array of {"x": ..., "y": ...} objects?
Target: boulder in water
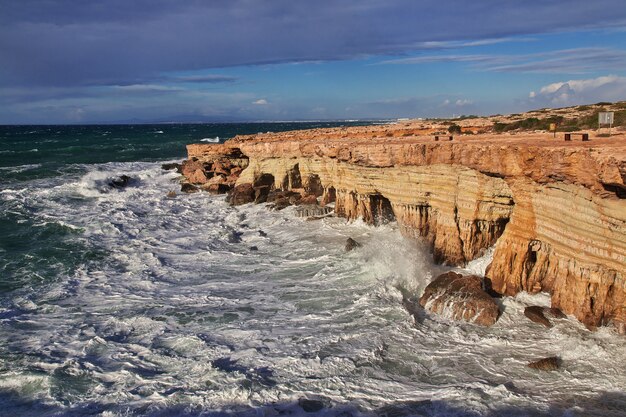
[
  {"x": 546, "y": 364},
  {"x": 351, "y": 244},
  {"x": 538, "y": 314},
  {"x": 170, "y": 166},
  {"x": 189, "y": 188},
  {"x": 171, "y": 194},
  {"x": 120, "y": 182},
  {"x": 310, "y": 406},
  {"x": 242, "y": 194},
  {"x": 261, "y": 193},
  {"x": 460, "y": 297},
  {"x": 535, "y": 313}
]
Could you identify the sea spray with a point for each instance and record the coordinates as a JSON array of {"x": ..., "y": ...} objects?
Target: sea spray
[{"x": 122, "y": 301}]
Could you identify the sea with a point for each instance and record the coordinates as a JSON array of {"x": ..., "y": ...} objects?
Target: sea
[{"x": 122, "y": 301}]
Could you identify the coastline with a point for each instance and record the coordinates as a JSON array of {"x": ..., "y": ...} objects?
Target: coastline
[{"x": 554, "y": 210}]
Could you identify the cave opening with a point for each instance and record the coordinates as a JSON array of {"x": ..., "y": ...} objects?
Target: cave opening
[
  {"x": 329, "y": 196},
  {"x": 382, "y": 211},
  {"x": 293, "y": 178},
  {"x": 263, "y": 185},
  {"x": 314, "y": 185},
  {"x": 264, "y": 180}
]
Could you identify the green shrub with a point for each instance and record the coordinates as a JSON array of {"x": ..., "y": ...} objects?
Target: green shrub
[
  {"x": 499, "y": 127},
  {"x": 454, "y": 129}
]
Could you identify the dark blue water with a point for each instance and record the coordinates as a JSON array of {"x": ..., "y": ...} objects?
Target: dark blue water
[
  {"x": 126, "y": 302},
  {"x": 33, "y": 251},
  {"x": 55, "y": 149}
]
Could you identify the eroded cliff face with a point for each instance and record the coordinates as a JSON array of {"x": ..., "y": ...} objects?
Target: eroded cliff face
[
  {"x": 459, "y": 211},
  {"x": 556, "y": 211}
]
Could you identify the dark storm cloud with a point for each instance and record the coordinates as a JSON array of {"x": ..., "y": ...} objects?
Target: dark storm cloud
[{"x": 62, "y": 43}]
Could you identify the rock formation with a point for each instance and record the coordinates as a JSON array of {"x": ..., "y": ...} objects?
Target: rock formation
[
  {"x": 555, "y": 210},
  {"x": 546, "y": 364},
  {"x": 460, "y": 297}
]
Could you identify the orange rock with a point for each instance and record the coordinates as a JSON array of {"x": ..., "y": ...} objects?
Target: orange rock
[
  {"x": 460, "y": 297},
  {"x": 555, "y": 210}
]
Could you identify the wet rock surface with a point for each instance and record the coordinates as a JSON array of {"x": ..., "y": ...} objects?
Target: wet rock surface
[
  {"x": 462, "y": 197},
  {"x": 540, "y": 314},
  {"x": 460, "y": 297},
  {"x": 546, "y": 364},
  {"x": 535, "y": 314},
  {"x": 171, "y": 166},
  {"x": 351, "y": 244},
  {"x": 121, "y": 181},
  {"x": 189, "y": 188},
  {"x": 310, "y": 406}
]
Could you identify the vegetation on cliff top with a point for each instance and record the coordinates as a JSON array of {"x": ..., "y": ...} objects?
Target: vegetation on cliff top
[{"x": 566, "y": 123}]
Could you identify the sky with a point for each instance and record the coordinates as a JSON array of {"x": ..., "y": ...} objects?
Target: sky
[{"x": 108, "y": 61}]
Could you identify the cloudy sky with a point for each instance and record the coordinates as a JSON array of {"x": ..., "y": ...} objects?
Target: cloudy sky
[{"x": 89, "y": 61}]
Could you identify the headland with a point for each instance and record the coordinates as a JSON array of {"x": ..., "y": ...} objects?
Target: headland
[{"x": 554, "y": 210}]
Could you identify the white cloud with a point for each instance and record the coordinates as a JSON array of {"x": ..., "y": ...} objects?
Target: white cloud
[
  {"x": 463, "y": 102},
  {"x": 568, "y": 61},
  {"x": 143, "y": 88},
  {"x": 605, "y": 88},
  {"x": 260, "y": 102}
]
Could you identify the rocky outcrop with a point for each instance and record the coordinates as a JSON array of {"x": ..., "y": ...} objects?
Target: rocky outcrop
[
  {"x": 214, "y": 169},
  {"x": 539, "y": 314},
  {"x": 351, "y": 244},
  {"x": 554, "y": 210},
  {"x": 460, "y": 297},
  {"x": 546, "y": 364}
]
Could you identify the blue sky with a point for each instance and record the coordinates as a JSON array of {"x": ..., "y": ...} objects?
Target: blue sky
[{"x": 169, "y": 60}]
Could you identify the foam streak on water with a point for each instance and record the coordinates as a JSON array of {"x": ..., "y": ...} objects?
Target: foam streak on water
[{"x": 186, "y": 306}]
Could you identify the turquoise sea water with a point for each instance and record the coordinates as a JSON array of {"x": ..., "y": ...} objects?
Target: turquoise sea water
[{"x": 124, "y": 302}]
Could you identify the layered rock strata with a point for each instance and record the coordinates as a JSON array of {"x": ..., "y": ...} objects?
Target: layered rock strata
[{"x": 554, "y": 210}]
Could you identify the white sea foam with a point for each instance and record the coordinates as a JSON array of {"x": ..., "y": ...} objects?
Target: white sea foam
[
  {"x": 184, "y": 316},
  {"x": 20, "y": 168},
  {"x": 212, "y": 140}
]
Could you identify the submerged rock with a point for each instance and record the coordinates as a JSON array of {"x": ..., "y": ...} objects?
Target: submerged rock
[
  {"x": 310, "y": 406},
  {"x": 535, "y": 313},
  {"x": 546, "y": 364},
  {"x": 312, "y": 210},
  {"x": 171, "y": 166},
  {"x": 242, "y": 194},
  {"x": 555, "y": 312},
  {"x": 120, "y": 182},
  {"x": 171, "y": 194},
  {"x": 351, "y": 244},
  {"x": 189, "y": 188},
  {"x": 460, "y": 297},
  {"x": 538, "y": 314}
]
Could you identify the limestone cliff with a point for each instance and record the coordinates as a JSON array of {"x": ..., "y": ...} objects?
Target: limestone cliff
[{"x": 554, "y": 210}]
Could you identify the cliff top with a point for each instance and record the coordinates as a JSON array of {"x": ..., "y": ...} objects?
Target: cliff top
[
  {"x": 598, "y": 164},
  {"x": 417, "y": 132}
]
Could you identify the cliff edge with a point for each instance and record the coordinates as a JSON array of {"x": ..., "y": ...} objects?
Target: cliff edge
[{"x": 555, "y": 210}]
